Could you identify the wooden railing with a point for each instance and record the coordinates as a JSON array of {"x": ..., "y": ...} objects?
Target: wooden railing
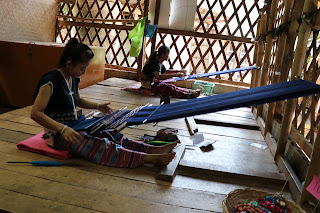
[{"x": 219, "y": 41}]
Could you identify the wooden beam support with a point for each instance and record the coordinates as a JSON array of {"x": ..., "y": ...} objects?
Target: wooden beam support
[
  {"x": 205, "y": 35},
  {"x": 260, "y": 53},
  {"x": 98, "y": 19},
  {"x": 193, "y": 167}
]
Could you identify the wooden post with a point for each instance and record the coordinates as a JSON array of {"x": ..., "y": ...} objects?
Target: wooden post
[
  {"x": 260, "y": 52},
  {"x": 289, "y": 50},
  {"x": 141, "y": 55},
  {"x": 253, "y": 72},
  {"x": 298, "y": 62},
  {"x": 156, "y": 21},
  {"x": 269, "y": 44},
  {"x": 279, "y": 60}
]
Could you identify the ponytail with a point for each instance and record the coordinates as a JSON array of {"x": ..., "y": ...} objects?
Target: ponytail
[
  {"x": 162, "y": 50},
  {"x": 75, "y": 52}
]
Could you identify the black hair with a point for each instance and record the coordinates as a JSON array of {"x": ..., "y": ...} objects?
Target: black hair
[
  {"x": 76, "y": 53},
  {"x": 162, "y": 50}
]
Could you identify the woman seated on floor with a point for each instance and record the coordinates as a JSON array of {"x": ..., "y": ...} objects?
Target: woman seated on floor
[
  {"x": 56, "y": 99},
  {"x": 154, "y": 71}
]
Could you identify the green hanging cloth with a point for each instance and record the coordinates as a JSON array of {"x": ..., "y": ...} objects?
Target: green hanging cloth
[{"x": 136, "y": 37}]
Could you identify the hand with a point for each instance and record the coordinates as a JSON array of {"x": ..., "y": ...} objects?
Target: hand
[
  {"x": 179, "y": 74},
  {"x": 105, "y": 108},
  {"x": 71, "y": 136}
]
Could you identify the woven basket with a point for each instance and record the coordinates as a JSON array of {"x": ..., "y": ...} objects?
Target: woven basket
[{"x": 239, "y": 195}]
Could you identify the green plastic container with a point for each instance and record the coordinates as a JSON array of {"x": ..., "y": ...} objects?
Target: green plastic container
[{"x": 207, "y": 87}]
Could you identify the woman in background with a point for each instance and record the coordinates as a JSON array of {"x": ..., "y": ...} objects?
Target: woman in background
[{"x": 154, "y": 71}]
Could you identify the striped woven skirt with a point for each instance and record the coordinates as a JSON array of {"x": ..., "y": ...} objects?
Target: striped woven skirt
[
  {"x": 109, "y": 149},
  {"x": 159, "y": 88}
]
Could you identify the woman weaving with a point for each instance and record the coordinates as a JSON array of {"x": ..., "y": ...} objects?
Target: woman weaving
[
  {"x": 154, "y": 71},
  {"x": 56, "y": 99}
]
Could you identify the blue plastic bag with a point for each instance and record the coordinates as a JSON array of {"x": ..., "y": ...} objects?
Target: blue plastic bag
[{"x": 150, "y": 30}]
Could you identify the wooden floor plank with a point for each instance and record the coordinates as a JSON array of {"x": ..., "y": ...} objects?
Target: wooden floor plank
[
  {"x": 20, "y": 202},
  {"x": 102, "y": 184}
]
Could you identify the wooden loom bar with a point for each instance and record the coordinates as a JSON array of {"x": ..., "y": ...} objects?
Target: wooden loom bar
[
  {"x": 298, "y": 62},
  {"x": 289, "y": 50},
  {"x": 262, "y": 31},
  {"x": 279, "y": 60},
  {"x": 269, "y": 44},
  {"x": 95, "y": 25}
]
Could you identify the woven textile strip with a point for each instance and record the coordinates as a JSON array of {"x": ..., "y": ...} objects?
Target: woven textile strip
[{"x": 195, "y": 76}]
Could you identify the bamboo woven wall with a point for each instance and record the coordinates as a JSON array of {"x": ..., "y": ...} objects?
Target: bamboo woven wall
[
  {"x": 28, "y": 20},
  {"x": 219, "y": 41},
  {"x": 293, "y": 35}
]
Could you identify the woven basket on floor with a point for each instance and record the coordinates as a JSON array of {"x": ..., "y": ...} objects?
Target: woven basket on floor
[{"x": 239, "y": 195}]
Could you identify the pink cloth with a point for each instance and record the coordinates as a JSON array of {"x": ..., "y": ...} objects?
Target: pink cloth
[{"x": 38, "y": 145}]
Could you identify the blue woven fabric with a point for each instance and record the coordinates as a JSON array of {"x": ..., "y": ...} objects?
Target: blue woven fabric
[
  {"x": 231, "y": 100},
  {"x": 220, "y": 102}
]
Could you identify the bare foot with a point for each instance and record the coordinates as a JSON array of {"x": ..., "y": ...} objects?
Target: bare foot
[
  {"x": 165, "y": 148},
  {"x": 197, "y": 93},
  {"x": 160, "y": 159}
]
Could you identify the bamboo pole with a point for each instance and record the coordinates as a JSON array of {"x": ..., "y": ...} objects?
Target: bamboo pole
[
  {"x": 289, "y": 50},
  {"x": 269, "y": 44},
  {"x": 156, "y": 20},
  {"x": 260, "y": 52},
  {"x": 279, "y": 60},
  {"x": 256, "y": 43},
  {"x": 142, "y": 52},
  {"x": 298, "y": 62}
]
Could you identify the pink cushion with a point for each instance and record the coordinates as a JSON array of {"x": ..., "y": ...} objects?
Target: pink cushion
[{"x": 38, "y": 145}]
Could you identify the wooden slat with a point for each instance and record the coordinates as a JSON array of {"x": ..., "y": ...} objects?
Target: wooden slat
[{"x": 168, "y": 172}]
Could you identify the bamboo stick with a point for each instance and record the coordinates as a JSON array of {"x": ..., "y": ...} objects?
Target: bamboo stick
[
  {"x": 299, "y": 56},
  {"x": 288, "y": 53},
  {"x": 269, "y": 44},
  {"x": 256, "y": 43},
  {"x": 260, "y": 53},
  {"x": 142, "y": 52},
  {"x": 256, "y": 47},
  {"x": 156, "y": 20},
  {"x": 314, "y": 78},
  {"x": 279, "y": 60}
]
